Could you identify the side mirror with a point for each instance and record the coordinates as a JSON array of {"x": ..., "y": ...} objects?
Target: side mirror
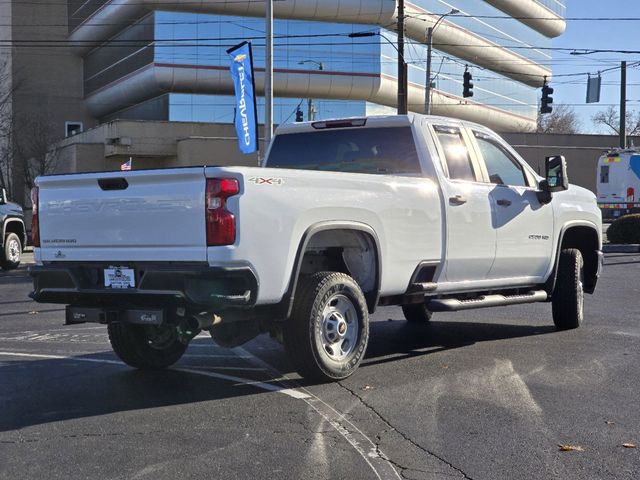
[
  {"x": 3, "y": 196},
  {"x": 555, "y": 174}
]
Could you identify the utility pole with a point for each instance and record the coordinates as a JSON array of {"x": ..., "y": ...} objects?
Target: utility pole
[
  {"x": 427, "y": 94},
  {"x": 268, "y": 77},
  {"x": 402, "y": 66},
  {"x": 623, "y": 105}
]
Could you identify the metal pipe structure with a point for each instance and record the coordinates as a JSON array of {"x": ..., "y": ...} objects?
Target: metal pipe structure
[{"x": 107, "y": 21}]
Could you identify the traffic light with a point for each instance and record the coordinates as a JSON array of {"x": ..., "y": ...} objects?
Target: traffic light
[
  {"x": 547, "y": 100},
  {"x": 467, "y": 86},
  {"x": 299, "y": 115}
]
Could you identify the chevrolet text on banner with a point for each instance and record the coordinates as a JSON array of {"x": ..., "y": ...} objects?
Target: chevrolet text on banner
[{"x": 246, "y": 115}]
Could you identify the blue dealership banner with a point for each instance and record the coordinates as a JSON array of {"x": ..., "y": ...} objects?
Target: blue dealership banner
[{"x": 246, "y": 113}]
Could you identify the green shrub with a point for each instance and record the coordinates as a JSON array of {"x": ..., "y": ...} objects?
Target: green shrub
[{"x": 625, "y": 229}]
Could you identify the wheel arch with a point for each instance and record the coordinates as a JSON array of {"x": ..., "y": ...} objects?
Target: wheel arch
[
  {"x": 586, "y": 238},
  {"x": 326, "y": 236},
  {"x": 15, "y": 225}
]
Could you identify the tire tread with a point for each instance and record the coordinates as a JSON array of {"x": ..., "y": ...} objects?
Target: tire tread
[
  {"x": 298, "y": 336},
  {"x": 565, "y": 306}
]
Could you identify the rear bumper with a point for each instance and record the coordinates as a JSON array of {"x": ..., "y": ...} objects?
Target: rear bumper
[{"x": 196, "y": 286}]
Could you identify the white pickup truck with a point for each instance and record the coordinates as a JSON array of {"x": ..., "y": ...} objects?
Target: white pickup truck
[{"x": 430, "y": 213}]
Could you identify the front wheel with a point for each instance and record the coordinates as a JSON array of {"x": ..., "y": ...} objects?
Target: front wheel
[
  {"x": 567, "y": 302},
  {"x": 11, "y": 253},
  {"x": 146, "y": 347},
  {"x": 327, "y": 334}
]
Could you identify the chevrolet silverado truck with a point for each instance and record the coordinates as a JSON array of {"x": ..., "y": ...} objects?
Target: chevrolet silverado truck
[{"x": 429, "y": 213}]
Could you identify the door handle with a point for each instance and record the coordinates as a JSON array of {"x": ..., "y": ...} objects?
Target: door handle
[
  {"x": 504, "y": 202},
  {"x": 457, "y": 200}
]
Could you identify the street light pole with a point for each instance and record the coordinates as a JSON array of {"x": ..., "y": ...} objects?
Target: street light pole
[
  {"x": 268, "y": 77},
  {"x": 311, "y": 114},
  {"x": 402, "y": 86},
  {"x": 430, "y": 30}
]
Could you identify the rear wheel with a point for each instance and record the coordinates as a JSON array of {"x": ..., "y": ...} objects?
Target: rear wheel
[
  {"x": 11, "y": 252},
  {"x": 416, "y": 313},
  {"x": 568, "y": 296},
  {"x": 146, "y": 347},
  {"x": 327, "y": 334}
]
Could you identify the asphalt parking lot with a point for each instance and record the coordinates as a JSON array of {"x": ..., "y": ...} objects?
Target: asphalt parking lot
[{"x": 488, "y": 394}]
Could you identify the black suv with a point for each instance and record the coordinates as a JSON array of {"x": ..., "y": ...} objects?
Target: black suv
[{"x": 14, "y": 234}]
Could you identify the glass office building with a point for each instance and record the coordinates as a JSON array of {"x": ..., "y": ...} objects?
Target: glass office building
[{"x": 150, "y": 63}]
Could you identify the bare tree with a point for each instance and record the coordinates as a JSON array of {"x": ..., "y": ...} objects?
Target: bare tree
[
  {"x": 35, "y": 152},
  {"x": 6, "y": 130},
  {"x": 610, "y": 118},
  {"x": 27, "y": 143},
  {"x": 563, "y": 119}
]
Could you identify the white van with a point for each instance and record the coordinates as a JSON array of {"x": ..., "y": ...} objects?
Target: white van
[{"x": 618, "y": 182}]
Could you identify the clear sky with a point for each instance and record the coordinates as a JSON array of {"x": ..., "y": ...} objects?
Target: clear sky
[{"x": 591, "y": 34}]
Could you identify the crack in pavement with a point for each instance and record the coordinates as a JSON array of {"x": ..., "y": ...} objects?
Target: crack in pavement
[{"x": 404, "y": 436}]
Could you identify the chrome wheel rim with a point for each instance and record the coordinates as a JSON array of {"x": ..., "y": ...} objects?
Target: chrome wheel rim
[
  {"x": 13, "y": 250},
  {"x": 340, "y": 327},
  {"x": 581, "y": 294}
]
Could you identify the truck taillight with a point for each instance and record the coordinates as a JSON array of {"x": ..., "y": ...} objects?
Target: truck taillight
[
  {"x": 221, "y": 223},
  {"x": 35, "y": 224}
]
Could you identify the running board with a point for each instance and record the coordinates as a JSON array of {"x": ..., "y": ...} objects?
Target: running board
[{"x": 454, "y": 305}]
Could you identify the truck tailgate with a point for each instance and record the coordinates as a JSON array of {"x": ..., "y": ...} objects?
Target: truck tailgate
[{"x": 146, "y": 215}]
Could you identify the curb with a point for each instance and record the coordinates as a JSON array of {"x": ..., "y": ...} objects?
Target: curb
[{"x": 621, "y": 248}]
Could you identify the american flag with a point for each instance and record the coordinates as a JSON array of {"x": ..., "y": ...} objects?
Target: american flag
[{"x": 126, "y": 166}]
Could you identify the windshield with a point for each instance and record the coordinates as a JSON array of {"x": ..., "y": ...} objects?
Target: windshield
[{"x": 382, "y": 151}]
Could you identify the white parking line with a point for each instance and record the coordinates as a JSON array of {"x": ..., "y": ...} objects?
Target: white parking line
[
  {"x": 366, "y": 448},
  {"x": 380, "y": 465},
  {"x": 216, "y": 367},
  {"x": 241, "y": 381},
  {"x": 189, "y": 355}
]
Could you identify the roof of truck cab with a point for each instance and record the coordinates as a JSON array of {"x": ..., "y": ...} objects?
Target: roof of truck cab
[{"x": 372, "y": 122}]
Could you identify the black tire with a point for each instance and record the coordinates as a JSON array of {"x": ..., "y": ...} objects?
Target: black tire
[
  {"x": 327, "y": 334},
  {"x": 146, "y": 347},
  {"x": 417, "y": 313},
  {"x": 567, "y": 301},
  {"x": 11, "y": 252}
]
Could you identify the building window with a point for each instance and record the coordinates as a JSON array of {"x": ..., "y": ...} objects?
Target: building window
[{"x": 72, "y": 128}]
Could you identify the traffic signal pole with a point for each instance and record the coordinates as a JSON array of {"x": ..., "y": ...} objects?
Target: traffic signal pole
[
  {"x": 402, "y": 66},
  {"x": 623, "y": 105}
]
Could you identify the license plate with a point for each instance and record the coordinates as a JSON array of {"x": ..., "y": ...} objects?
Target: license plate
[{"x": 119, "y": 277}]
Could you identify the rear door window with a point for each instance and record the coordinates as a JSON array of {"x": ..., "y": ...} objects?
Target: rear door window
[
  {"x": 382, "y": 151},
  {"x": 604, "y": 174},
  {"x": 456, "y": 153}
]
